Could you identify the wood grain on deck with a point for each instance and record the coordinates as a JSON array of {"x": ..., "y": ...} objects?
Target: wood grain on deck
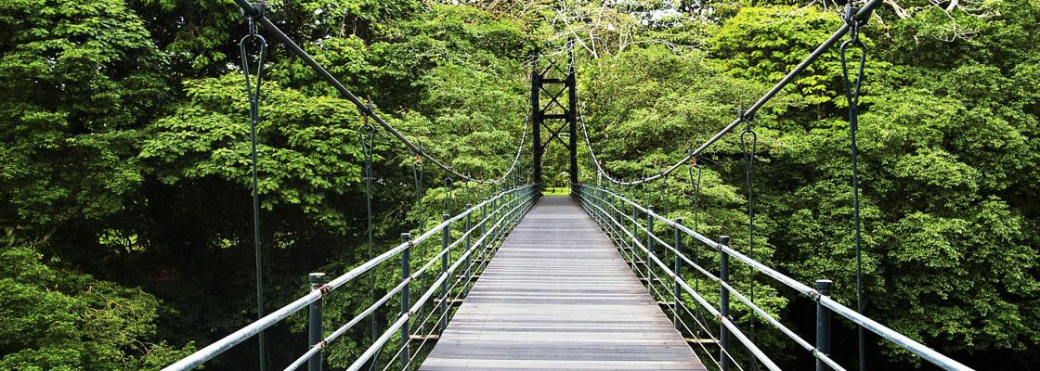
[{"x": 558, "y": 296}]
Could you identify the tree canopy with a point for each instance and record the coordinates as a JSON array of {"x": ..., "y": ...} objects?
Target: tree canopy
[{"x": 125, "y": 167}]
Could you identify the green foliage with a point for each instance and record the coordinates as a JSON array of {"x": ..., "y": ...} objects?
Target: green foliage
[
  {"x": 124, "y": 169},
  {"x": 307, "y": 147},
  {"x": 764, "y": 44},
  {"x": 78, "y": 81},
  {"x": 56, "y": 319}
]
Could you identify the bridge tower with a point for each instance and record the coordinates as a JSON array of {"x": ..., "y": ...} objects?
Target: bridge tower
[{"x": 547, "y": 87}]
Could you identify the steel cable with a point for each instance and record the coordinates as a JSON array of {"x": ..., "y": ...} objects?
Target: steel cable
[
  {"x": 251, "y": 10},
  {"x": 852, "y": 92},
  {"x": 366, "y": 137},
  {"x": 749, "y": 150},
  {"x": 254, "y": 121}
]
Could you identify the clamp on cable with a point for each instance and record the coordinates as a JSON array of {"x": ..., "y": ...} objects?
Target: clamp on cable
[{"x": 852, "y": 90}]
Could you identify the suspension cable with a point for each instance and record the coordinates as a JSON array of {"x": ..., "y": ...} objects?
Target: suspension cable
[
  {"x": 859, "y": 15},
  {"x": 852, "y": 91},
  {"x": 251, "y": 10},
  {"x": 254, "y": 121},
  {"x": 417, "y": 173},
  {"x": 697, "y": 189},
  {"x": 449, "y": 186},
  {"x": 366, "y": 137},
  {"x": 749, "y": 146}
]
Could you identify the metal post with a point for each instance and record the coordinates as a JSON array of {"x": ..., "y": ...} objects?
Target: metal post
[
  {"x": 445, "y": 239},
  {"x": 572, "y": 115},
  {"x": 678, "y": 275},
  {"x": 314, "y": 322},
  {"x": 613, "y": 212},
  {"x": 649, "y": 243},
  {"x": 724, "y": 304},
  {"x": 494, "y": 220},
  {"x": 536, "y": 120},
  {"x": 823, "y": 324},
  {"x": 635, "y": 236},
  {"x": 406, "y": 272},
  {"x": 469, "y": 235},
  {"x": 483, "y": 229}
]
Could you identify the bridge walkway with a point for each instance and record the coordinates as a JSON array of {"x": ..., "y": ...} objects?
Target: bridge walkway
[{"x": 559, "y": 296}]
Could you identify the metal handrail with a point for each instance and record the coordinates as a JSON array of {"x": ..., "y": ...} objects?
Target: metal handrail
[
  {"x": 861, "y": 15},
  {"x": 517, "y": 200},
  {"x": 404, "y": 317},
  {"x": 766, "y": 361},
  {"x": 826, "y": 301},
  {"x": 758, "y": 310}
]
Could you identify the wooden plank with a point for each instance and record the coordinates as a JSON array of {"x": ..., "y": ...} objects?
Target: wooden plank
[{"x": 558, "y": 296}]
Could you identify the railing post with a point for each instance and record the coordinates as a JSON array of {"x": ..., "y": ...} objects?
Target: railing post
[
  {"x": 445, "y": 240},
  {"x": 621, "y": 225},
  {"x": 823, "y": 324},
  {"x": 723, "y": 304},
  {"x": 613, "y": 211},
  {"x": 649, "y": 244},
  {"x": 601, "y": 207},
  {"x": 314, "y": 322},
  {"x": 494, "y": 220},
  {"x": 635, "y": 238},
  {"x": 483, "y": 231},
  {"x": 406, "y": 272},
  {"x": 677, "y": 268},
  {"x": 469, "y": 263}
]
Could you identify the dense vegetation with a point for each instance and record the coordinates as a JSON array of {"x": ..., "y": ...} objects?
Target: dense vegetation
[{"x": 124, "y": 172}]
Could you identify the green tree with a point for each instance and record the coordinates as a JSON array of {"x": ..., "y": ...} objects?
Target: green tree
[{"x": 58, "y": 319}]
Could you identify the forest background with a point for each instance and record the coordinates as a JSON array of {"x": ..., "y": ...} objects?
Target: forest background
[{"x": 125, "y": 221}]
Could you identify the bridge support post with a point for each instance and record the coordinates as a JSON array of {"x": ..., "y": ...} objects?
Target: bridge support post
[
  {"x": 494, "y": 220},
  {"x": 649, "y": 245},
  {"x": 536, "y": 119},
  {"x": 823, "y": 324},
  {"x": 572, "y": 115},
  {"x": 554, "y": 110},
  {"x": 445, "y": 239},
  {"x": 406, "y": 271},
  {"x": 635, "y": 236},
  {"x": 314, "y": 322},
  {"x": 724, "y": 305},
  {"x": 483, "y": 233},
  {"x": 677, "y": 268},
  {"x": 469, "y": 262}
]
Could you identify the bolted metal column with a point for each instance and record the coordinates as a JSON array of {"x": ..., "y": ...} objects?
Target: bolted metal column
[
  {"x": 649, "y": 244},
  {"x": 445, "y": 239},
  {"x": 678, "y": 275},
  {"x": 406, "y": 272},
  {"x": 724, "y": 304},
  {"x": 314, "y": 322},
  {"x": 635, "y": 236},
  {"x": 536, "y": 120},
  {"x": 469, "y": 263},
  {"x": 823, "y": 323},
  {"x": 572, "y": 114},
  {"x": 483, "y": 232}
]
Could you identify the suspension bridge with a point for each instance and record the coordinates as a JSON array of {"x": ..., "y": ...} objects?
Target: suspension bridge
[{"x": 594, "y": 280}]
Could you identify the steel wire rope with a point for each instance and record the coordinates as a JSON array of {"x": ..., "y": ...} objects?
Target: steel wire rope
[
  {"x": 749, "y": 147},
  {"x": 251, "y": 10},
  {"x": 254, "y": 121},
  {"x": 366, "y": 138},
  {"x": 852, "y": 92},
  {"x": 860, "y": 15}
]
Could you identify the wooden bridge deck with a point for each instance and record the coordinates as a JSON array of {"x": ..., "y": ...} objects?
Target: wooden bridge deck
[{"x": 558, "y": 296}]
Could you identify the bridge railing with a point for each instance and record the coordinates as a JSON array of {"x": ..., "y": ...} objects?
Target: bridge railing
[
  {"x": 478, "y": 239},
  {"x": 632, "y": 227}
]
